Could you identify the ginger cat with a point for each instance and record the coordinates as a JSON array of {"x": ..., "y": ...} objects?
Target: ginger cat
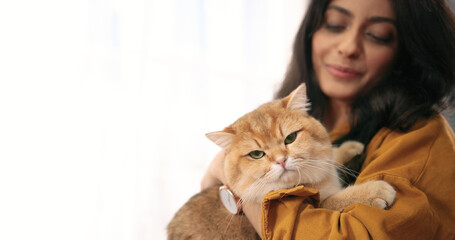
[{"x": 277, "y": 146}]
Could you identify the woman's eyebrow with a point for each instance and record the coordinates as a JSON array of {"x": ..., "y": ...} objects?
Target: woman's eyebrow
[
  {"x": 340, "y": 9},
  {"x": 382, "y": 19},
  {"x": 372, "y": 19}
]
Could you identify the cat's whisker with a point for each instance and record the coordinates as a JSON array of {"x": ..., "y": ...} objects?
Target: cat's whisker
[
  {"x": 229, "y": 223},
  {"x": 309, "y": 176},
  {"x": 342, "y": 169},
  {"x": 308, "y": 164},
  {"x": 254, "y": 190},
  {"x": 263, "y": 175},
  {"x": 348, "y": 171},
  {"x": 300, "y": 178},
  {"x": 325, "y": 170},
  {"x": 339, "y": 167},
  {"x": 306, "y": 175}
]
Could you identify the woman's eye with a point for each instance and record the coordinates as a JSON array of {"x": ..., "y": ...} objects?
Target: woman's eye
[
  {"x": 383, "y": 40},
  {"x": 256, "y": 154},
  {"x": 290, "y": 138},
  {"x": 334, "y": 27}
]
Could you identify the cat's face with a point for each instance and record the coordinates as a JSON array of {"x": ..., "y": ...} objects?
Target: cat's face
[{"x": 276, "y": 146}]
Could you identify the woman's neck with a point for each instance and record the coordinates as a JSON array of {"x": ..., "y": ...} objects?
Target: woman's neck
[{"x": 337, "y": 114}]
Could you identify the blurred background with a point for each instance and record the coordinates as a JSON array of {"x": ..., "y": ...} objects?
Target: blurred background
[{"x": 104, "y": 105}]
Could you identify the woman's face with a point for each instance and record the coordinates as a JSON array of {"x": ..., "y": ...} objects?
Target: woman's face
[{"x": 355, "y": 47}]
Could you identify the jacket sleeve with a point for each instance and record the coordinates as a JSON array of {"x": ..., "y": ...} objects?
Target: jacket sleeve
[
  {"x": 420, "y": 166},
  {"x": 293, "y": 214}
]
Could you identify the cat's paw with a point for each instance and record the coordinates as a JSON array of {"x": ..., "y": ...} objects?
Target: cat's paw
[
  {"x": 375, "y": 193},
  {"x": 346, "y": 151},
  {"x": 378, "y": 194},
  {"x": 352, "y": 148}
]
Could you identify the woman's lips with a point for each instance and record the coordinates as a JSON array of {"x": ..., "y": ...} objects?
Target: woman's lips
[{"x": 343, "y": 72}]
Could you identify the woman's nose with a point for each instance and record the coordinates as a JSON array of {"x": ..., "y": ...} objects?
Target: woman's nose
[{"x": 350, "y": 44}]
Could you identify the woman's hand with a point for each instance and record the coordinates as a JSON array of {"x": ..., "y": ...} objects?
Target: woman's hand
[{"x": 215, "y": 173}]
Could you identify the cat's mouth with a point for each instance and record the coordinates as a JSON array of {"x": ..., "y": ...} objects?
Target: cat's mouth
[
  {"x": 287, "y": 170},
  {"x": 286, "y": 174}
]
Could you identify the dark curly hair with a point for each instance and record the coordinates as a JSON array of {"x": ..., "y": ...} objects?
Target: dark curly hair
[{"x": 421, "y": 82}]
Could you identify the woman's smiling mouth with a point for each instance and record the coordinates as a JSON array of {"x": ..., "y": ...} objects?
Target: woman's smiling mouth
[{"x": 343, "y": 72}]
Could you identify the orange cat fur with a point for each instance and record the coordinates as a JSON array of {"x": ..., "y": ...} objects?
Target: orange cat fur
[{"x": 277, "y": 146}]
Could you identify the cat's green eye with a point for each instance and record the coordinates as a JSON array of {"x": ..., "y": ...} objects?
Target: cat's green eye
[
  {"x": 290, "y": 138},
  {"x": 256, "y": 154}
]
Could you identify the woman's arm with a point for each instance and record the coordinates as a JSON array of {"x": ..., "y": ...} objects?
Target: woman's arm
[
  {"x": 418, "y": 164},
  {"x": 253, "y": 213},
  {"x": 295, "y": 217},
  {"x": 215, "y": 175}
]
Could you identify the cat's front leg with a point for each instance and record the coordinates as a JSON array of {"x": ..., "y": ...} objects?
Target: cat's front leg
[
  {"x": 346, "y": 151},
  {"x": 376, "y": 193}
]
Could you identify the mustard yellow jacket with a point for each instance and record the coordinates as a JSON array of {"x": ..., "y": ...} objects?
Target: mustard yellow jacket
[{"x": 419, "y": 164}]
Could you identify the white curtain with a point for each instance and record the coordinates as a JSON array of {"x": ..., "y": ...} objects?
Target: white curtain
[{"x": 104, "y": 106}]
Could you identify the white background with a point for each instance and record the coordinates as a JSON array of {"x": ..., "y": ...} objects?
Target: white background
[{"x": 104, "y": 106}]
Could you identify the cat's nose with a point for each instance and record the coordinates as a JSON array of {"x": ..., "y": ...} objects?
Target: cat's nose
[{"x": 281, "y": 161}]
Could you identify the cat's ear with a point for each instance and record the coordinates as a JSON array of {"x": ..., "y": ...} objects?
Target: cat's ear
[
  {"x": 222, "y": 139},
  {"x": 298, "y": 99}
]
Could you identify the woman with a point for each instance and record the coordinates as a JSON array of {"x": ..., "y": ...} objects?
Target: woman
[{"x": 379, "y": 72}]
